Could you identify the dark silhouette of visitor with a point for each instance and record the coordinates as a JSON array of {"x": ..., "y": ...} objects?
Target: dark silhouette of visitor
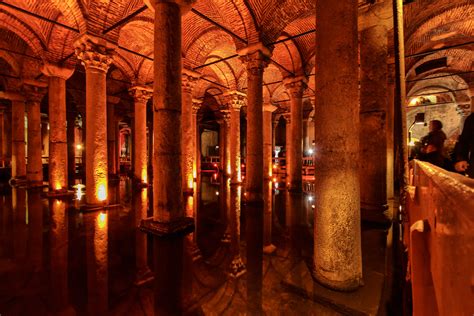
[
  {"x": 433, "y": 144},
  {"x": 464, "y": 149}
]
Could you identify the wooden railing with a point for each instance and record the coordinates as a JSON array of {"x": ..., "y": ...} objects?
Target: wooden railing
[{"x": 439, "y": 235}]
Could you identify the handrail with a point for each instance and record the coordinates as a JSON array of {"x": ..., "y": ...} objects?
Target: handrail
[{"x": 439, "y": 235}]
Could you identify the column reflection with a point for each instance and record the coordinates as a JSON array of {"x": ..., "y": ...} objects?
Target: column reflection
[
  {"x": 268, "y": 246},
  {"x": 96, "y": 226},
  {"x": 140, "y": 206},
  {"x": 254, "y": 228},
  {"x": 20, "y": 228},
  {"x": 237, "y": 267},
  {"x": 58, "y": 268},
  {"x": 34, "y": 219},
  {"x": 191, "y": 204}
]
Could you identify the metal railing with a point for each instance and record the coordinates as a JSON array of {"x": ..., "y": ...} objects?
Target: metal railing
[{"x": 439, "y": 235}]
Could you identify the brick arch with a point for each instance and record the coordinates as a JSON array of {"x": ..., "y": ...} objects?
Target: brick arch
[
  {"x": 34, "y": 40},
  {"x": 225, "y": 72},
  {"x": 288, "y": 55},
  {"x": 127, "y": 68},
  {"x": 11, "y": 61},
  {"x": 456, "y": 23}
]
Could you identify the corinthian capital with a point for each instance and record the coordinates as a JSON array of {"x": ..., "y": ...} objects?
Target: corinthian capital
[
  {"x": 256, "y": 57},
  {"x": 189, "y": 79},
  {"x": 94, "y": 53},
  {"x": 141, "y": 94},
  {"x": 34, "y": 90},
  {"x": 235, "y": 99},
  {"x": 196, "y": 105},
  {"x": 295, "y": 86}
]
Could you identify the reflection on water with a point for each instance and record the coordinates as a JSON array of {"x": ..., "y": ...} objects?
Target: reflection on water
[{"x": 55, "y": 259}]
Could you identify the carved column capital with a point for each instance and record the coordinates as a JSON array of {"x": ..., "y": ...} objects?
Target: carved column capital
[
  {"x": 287, "y": 117},
  {"x": 52, "y": 70},
  {"x": 268, "y": 107},
  {"x": 235, "y": 99},
  {"x": 196, "y": 105},
  {"x": 34, "y": 90},
  {"x": 463, "y": 109},
  {"x": 94, "y": 53},
  {"x": 189, "y": 79},
  {"x": 295, "y": 86},
  {"x": 141, "y": 94},
  {"x": 226, "y": 115},
  {"x": 256, "y": 57}
]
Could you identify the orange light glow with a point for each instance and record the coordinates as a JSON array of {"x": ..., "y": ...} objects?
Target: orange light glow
[
  {"x": 101, "y": 220},
  {"x": 144, "y": 176}
]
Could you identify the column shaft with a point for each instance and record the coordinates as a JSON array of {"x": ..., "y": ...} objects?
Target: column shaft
[
  {"x": 140, "y": 162},
  {"x": 288, "y": 146},
  {"x": 373, "y": 109},
  {"x": 188, "y": 144},
  {"x": 337, "y": 248},
  {"x": 58, "y": 171},
  {"x": 167, "y": 181},
  {"x": 34, "y": 170},
  {"x": 296, "y": 149},
  {"x": 71, "y": 146},
  {"x": 111, "y": 140},
  {"x": 228, "y": 168},
  {"x": 235, "y": 163},
  {"x": 267, "y": 142},
  {"x": 96, "y": 136}
]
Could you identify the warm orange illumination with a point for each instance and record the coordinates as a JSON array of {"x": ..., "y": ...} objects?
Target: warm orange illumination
[
  {"x": 274, "y": 179},
  {"x": 274, "y": 166},
  {"x": 101, "y": 192},
  {"x": 144, "y": 176},
  {"x": 79, "y": 146},
  {"x": 57, "y": 186},
  {"x": 101, "y": 220}
]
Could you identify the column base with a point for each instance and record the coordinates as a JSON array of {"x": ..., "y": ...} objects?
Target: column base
[
  {"x": 139, "y": 184},
  {"x": 342, "y": 286},
  {"x": 237, "y": 267},
  {"x": 17, "y": 181},
  {"x": 194, "y": 252},
  {"x": 376, "y": 214},
  {"x": 34, "y": 184},
  {"x": 225, "y": 238},
  {"x": 93, "y": 207},
  {"x": 113, "y": 177},
  {"x": 59, "y": 193},
  {"x": 188, "y": 191},
  {"x": 269, "y": 249},
  {"x": 177, "y": 228}
]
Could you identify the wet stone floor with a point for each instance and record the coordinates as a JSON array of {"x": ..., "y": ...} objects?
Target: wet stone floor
[{"x": 57, "y": 260}]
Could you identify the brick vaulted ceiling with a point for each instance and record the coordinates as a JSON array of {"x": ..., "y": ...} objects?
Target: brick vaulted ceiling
[{"x": 429, "y": 24}]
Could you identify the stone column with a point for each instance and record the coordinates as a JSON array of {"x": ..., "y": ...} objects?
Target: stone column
[
  {"x": 235, "y": 100},
  {"x": 58, "y": 170},
  {"x": 167, "y": 174},
  {"x": 34, "y": 94},
  {"x": 295, "y": 87},
  {"x": 95, "y": 56},
  {"x": 268, "y": 110},
  {"x": 373, "y": 111},
  {"x": 7, "y": 134},
  {"x": 111, "y": 137},
  {"x": 71, "y": 146},
  {"x": 337, "y": 248},
  {"x": 188, "y": 148},
  {"x": 195, "y": 140},
  {"x": 471, "y": 92},
  {"x": 227, "y": 155},
  {"x": 287, "y": 117},
  {"x": 256, "y": 59},
  {"x": 2, "y": 137},
  {"x": 18, "y": 138},
  {"x": 390, "y": 131},
  {"x": 140, "y": 96}
]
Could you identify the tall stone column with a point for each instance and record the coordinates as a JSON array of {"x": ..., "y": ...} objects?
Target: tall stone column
[
  {"x": 195, "y": 139},
  {"x": 34, "y": 94},
  {"x": 58, "y": 170},
  {"x": 188, "y": 149},
  {"x": 112, "y": 102},
  {"x": 95, "y": 55},
  {"x": 471, "y": 92},
  {"x": 71, "y": 145},
  {"x": 140, "y": 95},
  {"x": 295, "y": 87},
  {"x": 268, "y": 110},
  {"x": 18, "y": 138},
  {"x": 2, "y": 138},
  {"x": 227, "y": 156},
  {"x": 337, "y": 247},
  {"x": 373, "y": 112},
  {"x": 7, "y": 134},
  {"x": 235, "y": 101},
  {"x": 390, "y": 131},
  {"x": 288, "y": 140},
  {"x": 256, "y": 59},
  {"x": 167, "y": 174}
]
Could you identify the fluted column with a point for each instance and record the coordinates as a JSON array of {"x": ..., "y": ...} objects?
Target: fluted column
[
  {"x": 295, "y": 87},
  {"x": 188, "y": 149},
  {"x": 373, "y": 123},
  {"x": 268, "y": 110},
  {"x": 255, "y": 58},
  {"x": 95, "y": 55},
  {"x": 337, "y": 248},
  {"x": 227, "y": 156},
  {"x": 195, "y": 139},
  {"x": 34, "y": 94},
  {"x": 235, "y": 101},
  {"x": 112, "y": 157},
  {"x": 140, "y": 95},
  {"x": 58, "y": 162}
]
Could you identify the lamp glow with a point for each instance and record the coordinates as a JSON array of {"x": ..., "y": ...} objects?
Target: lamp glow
[{"x": 101, "y": 193}]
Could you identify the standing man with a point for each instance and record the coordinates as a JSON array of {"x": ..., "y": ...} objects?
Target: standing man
[{"x": 465, "y": 148}]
